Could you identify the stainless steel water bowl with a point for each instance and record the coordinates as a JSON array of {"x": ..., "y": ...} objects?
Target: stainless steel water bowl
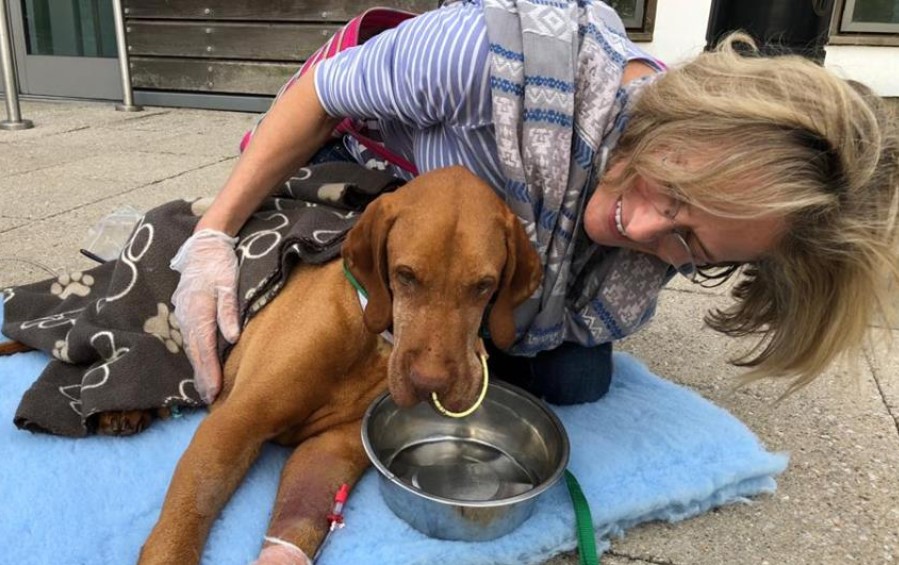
[{"x": 474, "y": 478}]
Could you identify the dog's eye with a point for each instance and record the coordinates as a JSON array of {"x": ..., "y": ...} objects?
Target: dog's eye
[
  {"x": 484, "y": 286},
  {"x": 405, "y": 276}
]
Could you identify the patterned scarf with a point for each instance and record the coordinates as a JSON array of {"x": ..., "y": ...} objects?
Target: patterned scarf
[{"x": 558, "y": 110}]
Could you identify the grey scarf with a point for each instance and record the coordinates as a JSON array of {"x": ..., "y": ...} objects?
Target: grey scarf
[{"x": 558, "y": 110}]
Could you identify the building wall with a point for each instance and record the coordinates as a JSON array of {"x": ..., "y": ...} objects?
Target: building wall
[{"x": 680, "y": 33}]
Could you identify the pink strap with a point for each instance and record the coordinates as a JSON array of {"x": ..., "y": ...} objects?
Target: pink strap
[{"x": 347, "y": 126}]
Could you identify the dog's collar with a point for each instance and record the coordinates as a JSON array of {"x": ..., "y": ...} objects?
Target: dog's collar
[
  {"x": 363, "y": 297},
  {"x": 354, "y": 281}
]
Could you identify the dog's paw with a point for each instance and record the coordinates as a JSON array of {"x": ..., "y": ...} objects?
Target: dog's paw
[{"x": 123, "y": 422}]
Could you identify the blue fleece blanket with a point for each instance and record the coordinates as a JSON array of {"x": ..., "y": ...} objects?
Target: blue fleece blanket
[{"x": 649, "y": 450}]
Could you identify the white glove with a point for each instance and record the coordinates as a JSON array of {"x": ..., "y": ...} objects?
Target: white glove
[{"x": 206, "y": 300}]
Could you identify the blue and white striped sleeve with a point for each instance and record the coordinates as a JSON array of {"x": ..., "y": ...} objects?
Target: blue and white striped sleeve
[{"x": 431, "y": 69}]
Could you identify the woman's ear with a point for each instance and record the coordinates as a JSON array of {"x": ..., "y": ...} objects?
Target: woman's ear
[
  {"x": 521, "y": 277},
  {"x": 365, "y": 254}
]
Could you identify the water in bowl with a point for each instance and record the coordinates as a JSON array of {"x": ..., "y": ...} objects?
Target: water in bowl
[{"x": 461, "y": 469}]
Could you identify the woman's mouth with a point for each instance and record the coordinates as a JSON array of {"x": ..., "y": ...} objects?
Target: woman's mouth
[{"x": 617, "y": 221}]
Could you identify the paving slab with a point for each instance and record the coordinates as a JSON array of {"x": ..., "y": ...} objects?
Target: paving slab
[
  {"x": 49, "y": 192},
  {"x": 27, "y": 156},
  {"x": 132, "y": 167},
  {"x": 837, "y": 502},
  {"x": 197, "y": 120},
  {"x": 7, "y": 224},
  {"x": 51, "y": 118},
  {"x": 884, "y": 359},
  {"x": 192, "y": 141},
  {"x": 55, "y": 241}
]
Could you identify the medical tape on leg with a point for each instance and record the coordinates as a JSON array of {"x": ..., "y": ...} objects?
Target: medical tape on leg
[{"x": 288, "y": 545}]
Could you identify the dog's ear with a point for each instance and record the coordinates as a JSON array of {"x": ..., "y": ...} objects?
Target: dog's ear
[
  {"x": 365, "y": 253},
  {"x": 521, "y": 277}
]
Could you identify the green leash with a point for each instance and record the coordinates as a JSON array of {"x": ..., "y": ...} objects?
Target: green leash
[{"x": 586, "y": 538}]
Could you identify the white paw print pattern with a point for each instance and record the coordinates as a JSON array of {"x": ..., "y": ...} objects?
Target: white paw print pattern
[
  {"x": 76, "y": 283},
  {"x": 376, "y": 165},
  {"x": 165, "y": 327},
  {"x": 61, "y": 350},
  {"x": 331, "y": 192},
  {"x": 198, "y": 207}
]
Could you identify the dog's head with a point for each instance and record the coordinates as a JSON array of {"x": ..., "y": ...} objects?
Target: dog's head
[{"x": 431, "y": 256}]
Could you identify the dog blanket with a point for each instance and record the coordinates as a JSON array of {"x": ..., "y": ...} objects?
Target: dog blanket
[
  {"x": 649, "y": 450},
  {"x": 111, "y": 330}
]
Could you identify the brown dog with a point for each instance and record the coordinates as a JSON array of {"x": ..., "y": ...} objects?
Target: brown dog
[{"x": 431, "y": 256}]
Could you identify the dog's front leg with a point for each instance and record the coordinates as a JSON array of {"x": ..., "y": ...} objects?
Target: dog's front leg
[
  {"x": 216, "y": 460},
  {"x": 313, "y": 474}
]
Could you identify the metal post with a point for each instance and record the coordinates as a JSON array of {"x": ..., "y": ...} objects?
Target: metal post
[
  {"x": 15, "y": 121},
  {"x": 128, "y": 98}
]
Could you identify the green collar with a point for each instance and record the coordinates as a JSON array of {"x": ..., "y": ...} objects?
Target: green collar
[{"x": 356, "y": 284}]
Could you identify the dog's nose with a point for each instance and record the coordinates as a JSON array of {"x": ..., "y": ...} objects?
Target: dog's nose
[{"x": 429, "y": 377}]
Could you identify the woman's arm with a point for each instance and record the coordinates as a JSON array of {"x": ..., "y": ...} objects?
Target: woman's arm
[
  {"x": 293, "y": 130},
  {"x": 206, "y": 298}
]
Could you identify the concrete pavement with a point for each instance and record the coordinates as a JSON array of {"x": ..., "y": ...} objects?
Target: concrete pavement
[{"x": 837, "y": 503}]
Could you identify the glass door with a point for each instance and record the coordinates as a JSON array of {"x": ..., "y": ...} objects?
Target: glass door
[{"x": 66, "y": 48}]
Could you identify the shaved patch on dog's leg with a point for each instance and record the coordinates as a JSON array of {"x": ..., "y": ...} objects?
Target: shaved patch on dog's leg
[{"x": 311, "y": 477}]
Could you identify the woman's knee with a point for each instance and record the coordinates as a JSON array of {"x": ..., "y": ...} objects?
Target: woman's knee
[
  {"x": 573, "y": 374},
  {"x": 569, "y": 374}
]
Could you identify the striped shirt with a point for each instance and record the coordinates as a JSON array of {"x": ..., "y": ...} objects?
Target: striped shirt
[{"x": 427, "y": 83}]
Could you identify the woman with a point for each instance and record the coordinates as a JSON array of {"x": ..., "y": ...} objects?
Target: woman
[{"x": 622, "y": 173}]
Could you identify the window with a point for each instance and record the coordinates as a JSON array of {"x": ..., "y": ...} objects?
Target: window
[
  {"x": 638, "y": 17},
  {"x": 871, "y": 16},
  {"x": 73, "y": 28},
  {"x": 865, "y": 22}
]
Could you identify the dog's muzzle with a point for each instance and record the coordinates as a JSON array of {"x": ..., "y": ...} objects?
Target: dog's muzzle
[{"x": 477, "y": 403}]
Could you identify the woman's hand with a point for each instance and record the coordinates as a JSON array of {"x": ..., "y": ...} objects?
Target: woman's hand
[
  {"x": 205, "y": 301},
  {"x": 206, "y": 298}
]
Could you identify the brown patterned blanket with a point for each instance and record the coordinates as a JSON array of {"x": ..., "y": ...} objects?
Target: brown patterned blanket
[{"x": 111, "y": 331}]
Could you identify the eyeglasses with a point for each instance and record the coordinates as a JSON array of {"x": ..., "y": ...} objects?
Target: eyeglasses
[{"x": 672, "y": 247}]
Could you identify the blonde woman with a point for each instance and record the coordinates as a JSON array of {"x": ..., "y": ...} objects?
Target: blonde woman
[{"x": 624, "y": 173}]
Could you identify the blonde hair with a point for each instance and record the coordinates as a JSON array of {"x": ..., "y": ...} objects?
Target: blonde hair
[{"x": 817, "y": 150}]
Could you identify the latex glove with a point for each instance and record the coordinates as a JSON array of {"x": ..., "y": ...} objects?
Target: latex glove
[{"x": 205, "y": 301}]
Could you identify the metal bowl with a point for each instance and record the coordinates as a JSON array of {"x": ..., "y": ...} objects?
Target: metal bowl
[{"x": 475, "y": 478}]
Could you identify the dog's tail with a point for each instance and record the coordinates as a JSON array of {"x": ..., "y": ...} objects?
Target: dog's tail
[{"x": 10, "y": 347}]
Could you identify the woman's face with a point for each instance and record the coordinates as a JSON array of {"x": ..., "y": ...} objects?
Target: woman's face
[{"x": 636, "y": 219}]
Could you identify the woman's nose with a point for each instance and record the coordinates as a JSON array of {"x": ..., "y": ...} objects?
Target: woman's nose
[{"x": 645, "y": 224}]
